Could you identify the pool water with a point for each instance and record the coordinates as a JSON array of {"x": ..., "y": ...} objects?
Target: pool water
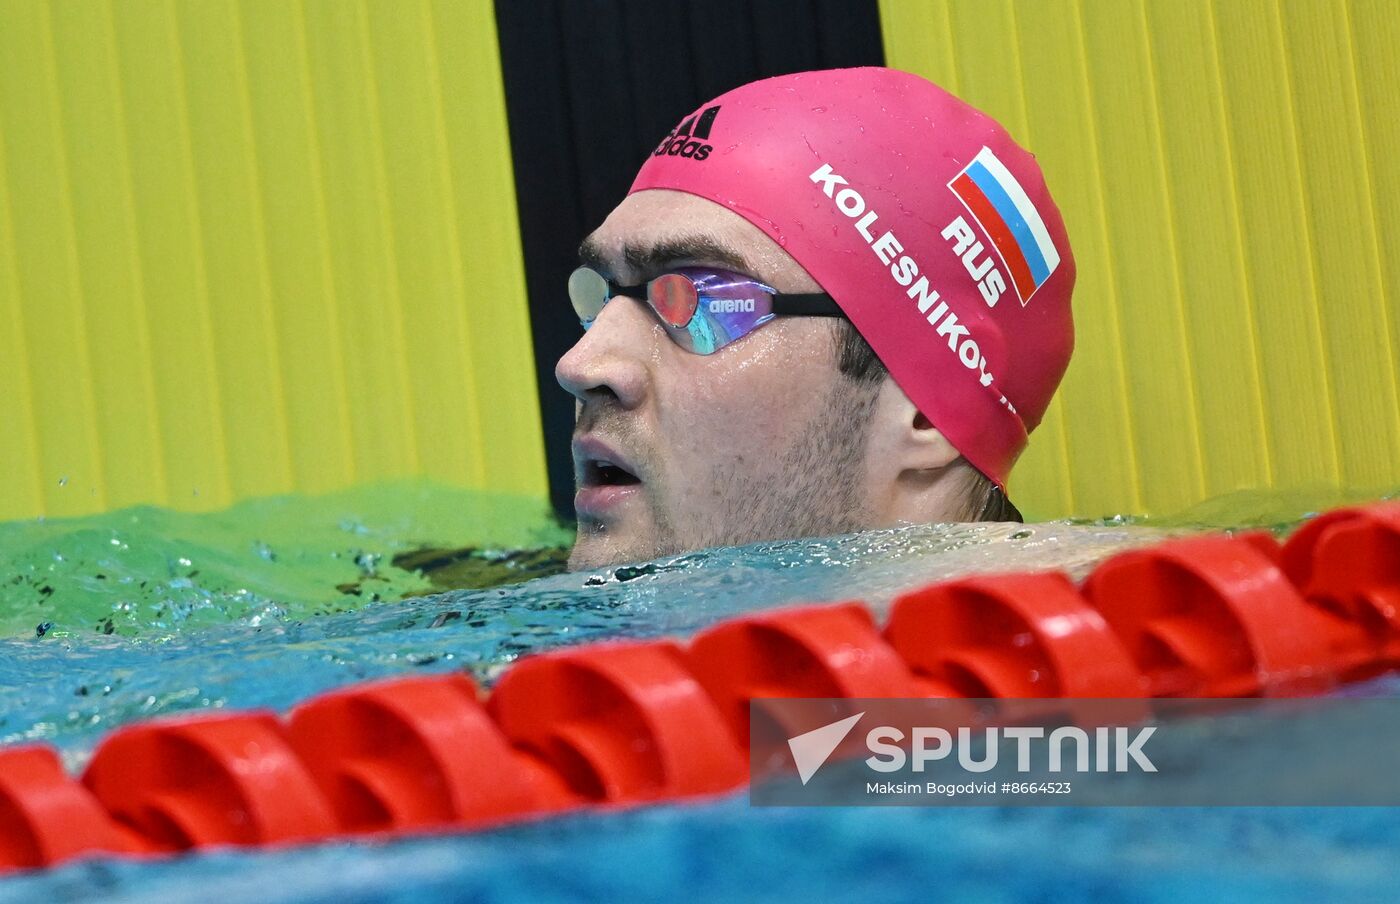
[
  {"x": 115, "y": 618},
  {"x": 149, "y": 571}
]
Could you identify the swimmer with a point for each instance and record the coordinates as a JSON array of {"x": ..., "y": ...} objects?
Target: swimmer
[{"x": 831, "y": 301}]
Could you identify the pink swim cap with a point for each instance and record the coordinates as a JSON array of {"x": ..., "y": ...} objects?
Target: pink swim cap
[{"x": 926, "y": 222}]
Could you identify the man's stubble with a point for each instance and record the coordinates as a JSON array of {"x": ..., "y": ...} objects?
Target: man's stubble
[{"x": 815, "y": 487}]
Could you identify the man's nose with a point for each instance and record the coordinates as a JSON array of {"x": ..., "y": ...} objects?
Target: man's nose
[{"x": 611, "y": 357}]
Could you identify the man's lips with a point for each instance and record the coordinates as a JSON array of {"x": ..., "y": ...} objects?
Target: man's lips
[
  {"x": 599, "y": 501},
  {"x": 606, "y": 478}
]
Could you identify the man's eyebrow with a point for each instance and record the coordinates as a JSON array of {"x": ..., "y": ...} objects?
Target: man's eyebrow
[
  {"x": 592, "y": 257},
  {"x": 646, "y": 261}
]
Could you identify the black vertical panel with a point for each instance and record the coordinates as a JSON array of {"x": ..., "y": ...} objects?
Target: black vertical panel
[
  {"x": 592, "y": 86},
  {"x": 843, "y": 38},
  {"x": 724, "y": 49},
  {"x": 785, "y": 35},
  {"x": 599, "y": 91},
  {"x": 661, "y": 68}
]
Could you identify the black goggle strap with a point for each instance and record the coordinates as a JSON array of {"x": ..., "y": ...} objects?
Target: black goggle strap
[{"x": 809, "y": 304}]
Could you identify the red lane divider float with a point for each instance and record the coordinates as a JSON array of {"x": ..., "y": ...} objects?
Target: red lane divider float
[
  {"x": 832, "y": 651},
  {"x": 1347, "y": 564},
  {"x": 196, "y": 781},
  {"x": 811, "y": 651},
  {"x": 619, "y": 722},
  {"x": 623, "y": 723},
  {"x": 1019, "y": 635},
  {"x": 1211, "y": 617},
  {"x": 46, "y": 817},
  {"x": 411, "y": 753}
]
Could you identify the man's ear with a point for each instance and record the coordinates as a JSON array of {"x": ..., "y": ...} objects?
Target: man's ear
[{"x": 910, "y": 441}]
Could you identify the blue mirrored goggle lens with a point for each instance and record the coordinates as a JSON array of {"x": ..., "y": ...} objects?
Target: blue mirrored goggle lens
[
  {"x": 703, "y": 310},
  {"x": 729, "y": 306},
  {"x": 673, "y": 297}
]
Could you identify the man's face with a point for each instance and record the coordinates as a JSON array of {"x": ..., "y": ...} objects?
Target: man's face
[{"x": 675, "y": 451}]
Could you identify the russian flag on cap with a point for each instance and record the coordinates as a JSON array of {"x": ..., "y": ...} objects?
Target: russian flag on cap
[{"x": 996, "y": 200}]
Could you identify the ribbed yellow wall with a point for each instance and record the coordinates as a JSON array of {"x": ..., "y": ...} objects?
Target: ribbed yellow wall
[
  {"x": 257, "y": 246},
  {"x": 1230, "y": 175}
]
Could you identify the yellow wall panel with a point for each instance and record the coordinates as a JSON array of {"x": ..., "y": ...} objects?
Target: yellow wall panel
[
  {"x": 1228, "y": 172},
  {"x": 496, "y": 329},
  {"x": 1294, "y": 373},
  {"x": 227, "y": 204},
  {"x": 292, "y": 205},
  {"x": 173, "y": 253},
  {"x": 1142, "y": 250},
  {"x": 363, "y": 256},
  {"x": 1207, "y": 259},
  {"x": 19, "y": 455},
  {"x": 105, "y": 246},
  {"x": 430, "y": 267},
  {"x": 47, "y": 274},
  {"x": 1375, "y": 36},
  {"x": 253, "y": 246},
  {"x": 922, "y": 32},
  {"x": 1341, "y": 216}
]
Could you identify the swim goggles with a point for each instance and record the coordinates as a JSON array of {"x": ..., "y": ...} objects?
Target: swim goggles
[{"x": 702, "y": 309}]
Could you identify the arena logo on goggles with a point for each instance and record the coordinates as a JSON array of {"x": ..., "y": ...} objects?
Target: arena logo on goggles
[
  {"x": 905, "y": 270},
  {"x": 731, "y": 306}
]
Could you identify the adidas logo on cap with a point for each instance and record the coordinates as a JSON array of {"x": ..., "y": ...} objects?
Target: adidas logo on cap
[{"x": 688, "y": 139}]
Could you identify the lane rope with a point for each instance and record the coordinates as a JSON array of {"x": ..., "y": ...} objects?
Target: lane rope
[{"x": 617, "y": 724}]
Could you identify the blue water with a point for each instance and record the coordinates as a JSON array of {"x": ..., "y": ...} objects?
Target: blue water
[
  {"x": 75, "y": 689},
  {"x": 727, "y": 851}
]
